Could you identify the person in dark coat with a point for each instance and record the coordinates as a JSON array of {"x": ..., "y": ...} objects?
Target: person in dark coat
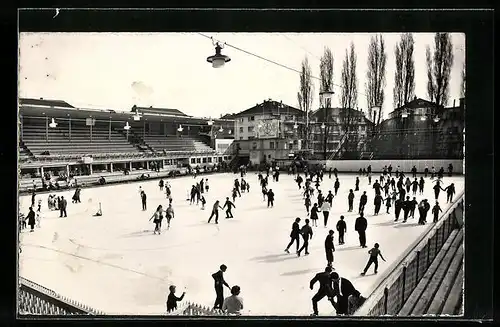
[
  {"x": 294, "y": 235},
  {"x": 144, "y": 199},
  {"x": 377, "y": 201},
  {"x": 342, "y": 229},
  {"x": 314, "y": 215},
  {"x": 325, "y": 288},
  {"x": 229, "y": 206},
  {"x": 31, "y": 219},
  {"x": 414, "y": 172},
  {"x": 414, "y": 186},
  {"x": 219, "y": 289},
  {"x": 437, "y": 188},
  {"x": 374, "y": 254},
  {"x": 360, "y": 226},
  {"x": 413, "y": 206},
  {"x": 161, "y": 183},
  {"x": 398, "y": 205},
  {"x": 270, "y": 198},
  {"x": 172, "y": 299},
  {"x": 335, "y": 172},
  {"x": 307, "y": 234},
  {"x": 435, "y": 211},
  {"x": 329, "y": 248},
  {"x": 62, "y": 207},
  {"x": 350, "y": 200},
  {"x": 215, "y": 212},
  {"x": 356, "y": 188},
  {"x": 450, "y": 192},
  {"x": 426, "y": 171},
  {"x": 336, "y": 186},
  {"x": 362, "y": 202},
  {"x": 421, "y": 185},
  {"x": 377, "y": 187},
  {"x": 343, "y": 289},
  {"x": 450, "y": 170},
  {"x": 406, "y": 208},
  {"x": 427, "y": 207}
]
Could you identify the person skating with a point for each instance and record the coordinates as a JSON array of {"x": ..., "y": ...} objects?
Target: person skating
[
  {"x": 413, "y": 205},
  {"x": 264, "y": 193},
  {"x": 408, "y": 184},
  {"x": 203, "y": 202},
  {"x": 169, "y": 214},
  {"x": 233, "y": 304},
  {"x": 325, "y": 288},
  {"x": 377, "y": 201},
  {"x": 426, "y": 171},
  {"x": 314, "y": 215},
  {"x": 406, "y": 208},
  {"x": 157, "y": 218},
  {"x": 299, "y": 181},
  {"x": 362, "y": 202},
  {"x": 450, "y": 192},
  {"x": 325, "y": 208},
  {"x": 450, "y": 170},
  {"x": 172, "y": 299},
  {"x": 342, "y": 229},
  {"x": 62, "y": 207},
  {"x": 343, "y": 289},
  {"x": 229, "y": 206},
  {"x": 161, "y": 183},
  {"x": 219, "y": 284},
  {"x": 294, "y": 235},
  {"x": 215, "y": 212},
  {"x": 356, "y": 188},
  {"x": 421, "y": 185},
  {"x": 388, "y": 203},
  {"x": 329, "y": 198},
  {"x": 335, "y": 172},
  {"x": 374, "y": 254},
  {"x": 386, "y": 188},
  {"x": 307, "y": 234},
  {"x": 307, "y": 203},
  {"x": 31, "y": 219},
  {"x": 270, "y": 198},
  {"x": 336, "y": 186},
  {"x": 207, "y": 187},
  {"x": 433, "y": 172},
  {"x": 414, "y": 186},
  {"x": 237, "y": 187},
  {"x": 329, "y": 248},
  {"x": 389, "y": 170},
  {"x": 360, "y": 226},
  {"x": 437, "y": 189},
  {"x": 414, "y": 172},
  {"x": 143, "y": 200},
  {"x": 377, "y": 187},
  {"x": 435, "y": 211},
  {"x": 350, "y": 200}
]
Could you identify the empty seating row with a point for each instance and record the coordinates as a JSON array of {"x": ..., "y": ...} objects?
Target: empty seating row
[{"x": 439, "y": 291}]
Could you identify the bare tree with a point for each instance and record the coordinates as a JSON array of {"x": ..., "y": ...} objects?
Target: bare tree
[
  {"x": 326, "y": 76},
  {"x": 375, "y": 76},
  {"x": 404, "y": 77},
  {"x": 439, "y": 69},
  {"x": 348, "y": 98},
  {"x": 305, "y": 95},
  {"x": 462, "y": 88}
]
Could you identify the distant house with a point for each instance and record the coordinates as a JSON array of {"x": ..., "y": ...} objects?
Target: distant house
[{"x": 43, "y": 102}]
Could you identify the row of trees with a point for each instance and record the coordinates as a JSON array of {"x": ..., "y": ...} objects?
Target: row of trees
[{"x": 439, "y": 66}]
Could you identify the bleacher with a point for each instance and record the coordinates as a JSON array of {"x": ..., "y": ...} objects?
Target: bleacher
[
  {"x": 80, "y": 143},
  {"x": 23, "y": 154},
  {"x": 162, "y": 143},
  {"x": 440, "y": 289}
]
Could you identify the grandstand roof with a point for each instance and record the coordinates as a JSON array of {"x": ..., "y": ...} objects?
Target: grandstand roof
[
  {"x": 268, "y": 107},
  {"x": 164, "y": 111},
  {"x": 43, "y": 102},
  {"x": 416, "y": 103}
]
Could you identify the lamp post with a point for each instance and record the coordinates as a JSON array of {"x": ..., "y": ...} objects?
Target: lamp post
[
  {"x": 325, "y": 97},
  {"x": 376, "y": 109},
  {"x": 404, "y": 116}
]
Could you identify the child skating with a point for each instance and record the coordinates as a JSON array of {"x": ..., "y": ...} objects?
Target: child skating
[{"x": 374, "y": 254}]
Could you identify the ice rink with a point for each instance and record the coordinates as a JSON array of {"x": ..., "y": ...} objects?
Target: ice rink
[{"x": 115, "y": 264}]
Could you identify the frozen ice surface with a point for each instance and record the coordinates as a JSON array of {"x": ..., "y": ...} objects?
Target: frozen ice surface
[{"x": 114, "y": 263}]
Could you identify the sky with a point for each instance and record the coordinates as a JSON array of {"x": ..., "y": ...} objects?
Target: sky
[{"x": 169, "y": 70}]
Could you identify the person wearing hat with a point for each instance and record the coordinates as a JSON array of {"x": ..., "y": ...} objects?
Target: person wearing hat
[
  {"x": 325, "y": 288},
  {"x": 343, "y": 289},
  {"x": 329, "y": 247},
  {"x": 219, "y": 283},
  {"x": 233, "y": 304},
  {"x": 172, "y": 299}
]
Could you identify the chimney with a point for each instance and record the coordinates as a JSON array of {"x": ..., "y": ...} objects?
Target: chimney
[
  {"x": 41, "y": 98},
  {"x": 453, "y": 103}
]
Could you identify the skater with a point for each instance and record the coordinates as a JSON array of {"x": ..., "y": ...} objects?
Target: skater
[
  {"x": 435, "y": 211},
  {"x": 350, "y": 200},
  {"x": 388, "y": 202},
  {"x": 374, "y": 254},
  {"x": 360, "y": 227},
  {"x": 143, "y": 199},
  {"x": 433, "y": 172},
  {"x": 31, "y": 219},
  {"x": 369, "y": 178},
  {"x": 169, "y": 214},
  {"x": 362, "y": 202},
  {"x": 421, "y": 185},
  {"x": 307, "y": 203},
  {"x": 437, "y": 189},
  {"x": 356, "y": 188},
  {"x": 219, "y": 283},
  {"x": 270, "y": 198},
  {"x": 203, "y": 202},
  {"x": 294, "y": 235},
  {"x": 38, "y": 218},
  {"x": 207, "y": 187},
  {"x": 172, "y": 299},
  {"x": 329, "y": 198},
  {"x": 329, "y": 248},
  {"x": 450, "y": 170},
  {"x": 215, "y": 212},
  {"x": 325, "y": 288},
  {"x": 414, "y": 171},
  {"x": 450, "y": 192},
  {"x": 264, "y": 192},
  {"x": 343, "y": 289},
  {"x": 408, "y": 184},
  {"x": 229, "y": 206},
  {"x": 314, "y": 215},
  {"x": 62, "y": 207},
  {"x": 99, "y": 211},
  {"x": 157, "y": 218},
  {"x": 233, "y": 304},
  {"x": 426, "y": 171},
  {"x": 299, "y": 181},
  {"x": 413, "y": 205},
  {"x": 376, "y": 186},
  {"x": 335, "y": 172},
  {"x": 336, "y": 186},
  {"x": 406, "y": 208},
  {"x": 161, "y": 183},
  {"x": 414, "y": 186},
  {"x": 389, "y": 170},
  {"x": 307, "y": 234},
  {"x": 330, "y": 173},
  {"x": 377, "y": 202},
  {"x": 342, "y": 229},
  {"x": 325, "y": 208}
]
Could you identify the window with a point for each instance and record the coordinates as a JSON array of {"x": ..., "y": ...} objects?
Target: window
[
  {"x": 229, "y": 157},
  {"x": 193, "y": 160},
  {"x": 204, "y": 160},
  {"x": 252, "y": 118},
  {"x": 220, "y": 159},
  {"x": 225, "y": 157},
  {"x": 198, "y": 160},
  {"x": 250, "y": 129},
  {"x": 251, "y": 137},
  {"x": 271, "y": 145},
  {"x": 242, "y": 119},
  {"x": 241, "y": 129},
  {"x": 209, "y": 160},
  {"x": 241, "y": 137}
]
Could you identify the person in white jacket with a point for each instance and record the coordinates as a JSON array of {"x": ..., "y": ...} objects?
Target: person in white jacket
[{"x": 325, "y": 207}]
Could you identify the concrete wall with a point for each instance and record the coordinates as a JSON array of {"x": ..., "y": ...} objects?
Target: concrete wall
[{"x": 405, "y": 165}]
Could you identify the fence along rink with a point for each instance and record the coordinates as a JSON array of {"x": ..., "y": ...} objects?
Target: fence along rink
[{"x": 390, "y": 295}]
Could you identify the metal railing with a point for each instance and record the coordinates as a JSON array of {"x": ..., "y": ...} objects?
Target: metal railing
[
  {"x": 35, "y": 299},
  {"x": 403, "y": 276},
  {"x": 193, "y": 309}
]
